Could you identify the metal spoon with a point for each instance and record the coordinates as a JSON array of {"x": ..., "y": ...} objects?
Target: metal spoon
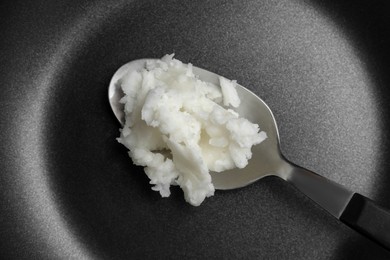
[{"x": 355, "y": 210}]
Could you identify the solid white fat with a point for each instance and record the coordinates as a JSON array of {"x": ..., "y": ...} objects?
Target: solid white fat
[{"x": 180, "y": 128}]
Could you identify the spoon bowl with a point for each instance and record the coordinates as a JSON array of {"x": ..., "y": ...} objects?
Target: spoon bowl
[{"x": 351, "y": 208}]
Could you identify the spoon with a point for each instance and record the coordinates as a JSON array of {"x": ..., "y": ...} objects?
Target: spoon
[{"x": 355, "y": 210}]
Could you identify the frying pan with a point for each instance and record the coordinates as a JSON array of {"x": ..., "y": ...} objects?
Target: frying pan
[{"x": 69, "y": 190}]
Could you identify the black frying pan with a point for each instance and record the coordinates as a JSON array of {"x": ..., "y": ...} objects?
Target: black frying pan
[{"x": 68, "y": 189}]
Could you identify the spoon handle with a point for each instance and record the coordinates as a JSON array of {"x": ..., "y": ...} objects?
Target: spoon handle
[
  {"x": 353, "y": 209},
  {"x": 331, "y": 196},
  {"x": 366, "y": 217}
]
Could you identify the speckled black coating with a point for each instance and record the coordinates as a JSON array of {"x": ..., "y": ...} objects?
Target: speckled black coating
[{"x": 69, "y": 191}]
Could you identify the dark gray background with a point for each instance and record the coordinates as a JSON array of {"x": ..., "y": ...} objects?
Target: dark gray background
[{"x": 68, "y": 189}]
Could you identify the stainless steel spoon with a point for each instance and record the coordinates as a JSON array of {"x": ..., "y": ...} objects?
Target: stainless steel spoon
[{"x": 355, "y": 210}]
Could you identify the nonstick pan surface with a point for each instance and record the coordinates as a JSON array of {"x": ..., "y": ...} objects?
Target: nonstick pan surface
[{"x": 69, "y": 191}]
